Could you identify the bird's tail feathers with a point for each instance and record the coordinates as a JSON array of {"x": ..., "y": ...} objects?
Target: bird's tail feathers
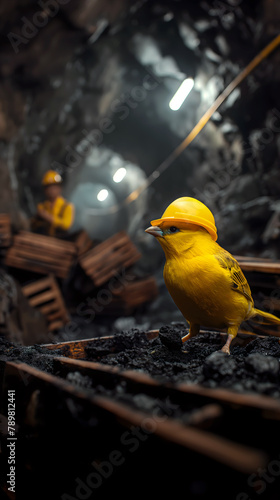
[{"x": 264, "y": 318}]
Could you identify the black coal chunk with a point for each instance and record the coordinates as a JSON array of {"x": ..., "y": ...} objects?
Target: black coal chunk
[
  {"x": 171, "y": 338},
  {"x": 262, "y": 365},
  {"x": 219, "y": 366}
]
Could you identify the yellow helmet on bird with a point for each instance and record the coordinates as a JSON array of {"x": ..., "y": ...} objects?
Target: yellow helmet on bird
[
  {"x": 51, "y": 177},
  {"x": 188, "y": 210}
]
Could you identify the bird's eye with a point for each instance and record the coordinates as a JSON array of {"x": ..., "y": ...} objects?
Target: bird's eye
[{"x": 173, "y": 229}]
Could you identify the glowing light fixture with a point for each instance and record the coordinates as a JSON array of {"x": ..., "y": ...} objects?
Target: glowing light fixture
[
  {"x": 119, "y": 174},
  {"x": 102, "y": 195},
  {"x": 181, "y": 94}
]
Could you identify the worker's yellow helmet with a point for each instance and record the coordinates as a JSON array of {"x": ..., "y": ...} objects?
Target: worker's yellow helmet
[
  {"x": 51, "y": 177},
  {"x": 190, "y": 211}
]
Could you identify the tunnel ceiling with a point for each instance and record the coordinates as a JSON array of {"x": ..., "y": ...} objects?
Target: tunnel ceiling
[{"x": 85, "y": 88}]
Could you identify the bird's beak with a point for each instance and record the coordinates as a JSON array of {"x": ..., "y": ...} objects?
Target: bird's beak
[{"x": 155, "y": 231}]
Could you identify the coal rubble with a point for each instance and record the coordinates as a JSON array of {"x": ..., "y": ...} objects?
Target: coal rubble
[
  {"x": 253, "y": 367},
  {"x": 250, "y": 368}
]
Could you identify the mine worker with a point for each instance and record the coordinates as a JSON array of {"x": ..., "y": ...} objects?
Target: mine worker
[{"x": 55, "y": 215}]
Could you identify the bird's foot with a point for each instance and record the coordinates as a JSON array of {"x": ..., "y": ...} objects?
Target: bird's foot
[
  {"x": 186, "y": 337},
  {"x": 225, "y": 349},
  {"x": 194, "y": 330}
]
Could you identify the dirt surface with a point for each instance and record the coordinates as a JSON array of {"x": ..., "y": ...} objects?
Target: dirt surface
[{"x": 37, "y": 356}]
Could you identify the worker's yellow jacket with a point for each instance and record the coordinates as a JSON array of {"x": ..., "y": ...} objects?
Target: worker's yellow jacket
[{"x": 63, "y": 213}]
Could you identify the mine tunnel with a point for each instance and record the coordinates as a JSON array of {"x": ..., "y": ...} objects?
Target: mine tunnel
[{"x": 139, "y": 249}]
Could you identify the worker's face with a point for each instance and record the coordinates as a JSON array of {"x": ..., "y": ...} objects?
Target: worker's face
[{"x": 52, "y": 191}]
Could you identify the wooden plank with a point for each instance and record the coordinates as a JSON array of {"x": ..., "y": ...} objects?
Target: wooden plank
[
  {"x": 56, "y": 325},
  {"x": 49, "y": 240},
  {"x": 38, "y": 267},
  {"x": 46, "y": 241},
  {"x": 34, "y": 243},
  {"x": 253, "y": 259},
  {"x": 119, "y": 260},
  {"x": 5, "y": 231},
  {"x": 76, "y": 348},
  {"x": 103, "y": 279},
  {"x": 116, "y": 262},
  {"x": 106, "y": 258},
  {"x": 12, "y": 255},
  {"x": 40, "y": 294},
  {"x": 64, "y": 260},
  {"x": 73, "y": 349},
  {"x": 37, "y": 286},
  {"x": 41, "y": 298},
  {"x": 103, "y": 250},
  {"x": 107, "y": 244},
  {"x": 56, "y": 252},
  {"x": 49, "y": 308},
  {"x": 106, "y": 248},
  {"x": 31, "y": 265},
  {"x": 263, "y": 267},
  {"x": 39, "y": 245}
]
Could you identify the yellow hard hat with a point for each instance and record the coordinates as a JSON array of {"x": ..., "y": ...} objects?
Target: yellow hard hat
[
  {"x": 51, "y": 177},
  {"x": 190, "y": 211}
]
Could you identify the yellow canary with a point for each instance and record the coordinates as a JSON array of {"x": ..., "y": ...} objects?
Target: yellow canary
[{"x": 204, "y": 280}]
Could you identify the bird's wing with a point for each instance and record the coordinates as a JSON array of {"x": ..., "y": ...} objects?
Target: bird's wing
[{"x": 238, "y": 280}]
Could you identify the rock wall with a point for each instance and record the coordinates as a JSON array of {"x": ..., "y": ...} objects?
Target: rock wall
[{"x": 85, "y": 89}]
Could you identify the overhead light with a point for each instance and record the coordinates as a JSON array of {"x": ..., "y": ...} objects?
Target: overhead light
[
  {"x": 102, "y": 195},
  {"x": 181, "y": 94},
  {"x": 119, "y": 174}
]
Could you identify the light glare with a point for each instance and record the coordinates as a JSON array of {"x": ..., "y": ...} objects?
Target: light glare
[
  {"x": 102, "y": 195},
  {"x": 181, "y": 94},
  {"x": 119, "y": 174}
]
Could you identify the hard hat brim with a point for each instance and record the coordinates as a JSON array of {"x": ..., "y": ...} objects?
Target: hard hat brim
[
  {"x": 51, "y": 177},
  {"x": 199, "y": 221}
]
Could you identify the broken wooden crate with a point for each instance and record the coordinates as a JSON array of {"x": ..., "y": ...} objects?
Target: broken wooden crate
[
  {"x": 107, "y": 258},
  {"x": 83, "y": 243},
  {"x": 132, "y": 295},
  {"x": 45, "y": 295},
  {"x": 5, "y": 231},
  {"x": 41, "y": 254}
]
